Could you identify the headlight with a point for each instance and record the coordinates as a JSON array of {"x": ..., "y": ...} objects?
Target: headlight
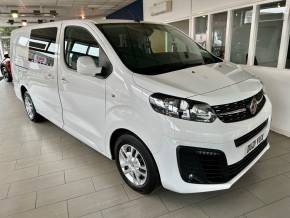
[{"x": 182, "y": 108}]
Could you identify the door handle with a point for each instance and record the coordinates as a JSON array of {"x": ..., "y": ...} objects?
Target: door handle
[
  {"x": 50, "y": 76},
  {"x": 64, "y": 80}
]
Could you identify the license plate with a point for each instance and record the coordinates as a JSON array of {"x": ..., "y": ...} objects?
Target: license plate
[{"x": 255, "y": 143}]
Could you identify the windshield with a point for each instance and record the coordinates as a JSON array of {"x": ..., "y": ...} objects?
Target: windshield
[{"x": 152, "y": 49}]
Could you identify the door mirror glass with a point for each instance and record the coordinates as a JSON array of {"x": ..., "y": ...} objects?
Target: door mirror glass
[{"x": 87, "y": 66}]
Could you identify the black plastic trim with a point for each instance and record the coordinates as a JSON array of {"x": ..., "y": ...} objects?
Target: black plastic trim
[
  {"x": 209, "y": 166},
  {"x": 226, "y": 112},
  {"x": 245, "y": 138}
]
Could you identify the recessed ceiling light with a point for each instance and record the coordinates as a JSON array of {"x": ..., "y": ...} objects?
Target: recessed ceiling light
[
  {"x": 24, "y": 22},
  {"x": 14, "y": 13}
]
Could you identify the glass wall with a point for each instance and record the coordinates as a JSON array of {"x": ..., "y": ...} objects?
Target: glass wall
[
  {"x": 5, "y": 33},
  {"x": 269, "y": 25},
  {"x": 183, "y": 25},
  {"x": 241, "y": 29},
  {"x": 288, "y": 56},
  {"x": 201, "y": 30},
  {"x": 269, "y": 33},
  {"x": 219, "y": 34}
]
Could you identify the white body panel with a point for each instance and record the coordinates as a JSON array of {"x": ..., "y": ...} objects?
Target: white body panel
[
  {"x": 83, "y": 101},
  {"x": 41, "y": 80},
  {"x": 92, "y": 109}
]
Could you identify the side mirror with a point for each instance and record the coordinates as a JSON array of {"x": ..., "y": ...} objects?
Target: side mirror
[{"x": 87, "y": 66}]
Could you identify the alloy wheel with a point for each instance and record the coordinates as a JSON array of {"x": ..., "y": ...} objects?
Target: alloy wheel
[
  {"x": 133, "y": 165},
  {"x": 29, "y": 107}
]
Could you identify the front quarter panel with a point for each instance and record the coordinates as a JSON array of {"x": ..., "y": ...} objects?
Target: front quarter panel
[{"x": 128, "y": 107}]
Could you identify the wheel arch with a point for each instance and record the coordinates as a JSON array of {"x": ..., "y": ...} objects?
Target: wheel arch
[
  {"x": 114, "y": 137},
  {"x": 23, "y": 89},
  {"x": 121, "y": 131}
]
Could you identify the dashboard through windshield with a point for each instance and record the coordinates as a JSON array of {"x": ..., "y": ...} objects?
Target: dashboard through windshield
[{"x": 152, "y": 49}]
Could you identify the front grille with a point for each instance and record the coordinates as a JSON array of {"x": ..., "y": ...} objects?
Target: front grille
[
  {"x": 209, "y": 166},
  {"x": 236, "y": 168},
  {"x": 240, "y": 110},
  {"x": 243, "y": 139}
]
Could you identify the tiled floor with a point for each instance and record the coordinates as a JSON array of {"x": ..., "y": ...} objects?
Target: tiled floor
[{"x": 45, "y": 172}]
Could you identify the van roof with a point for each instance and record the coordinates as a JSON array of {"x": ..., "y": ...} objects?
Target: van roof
[
  {"x": 122, "y": 21},
  {"x": 100, "y": 21},
  {"x": 79, "y": 21}
]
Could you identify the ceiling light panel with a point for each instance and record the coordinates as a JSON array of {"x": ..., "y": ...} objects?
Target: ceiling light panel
[{"x": 65, "y": 9}]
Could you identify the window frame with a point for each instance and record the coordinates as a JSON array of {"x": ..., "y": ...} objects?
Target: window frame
[
  {"x": 285, "y": 37},
  {"x": 103, "y": 75},
  {"x": 194, "y": 29},
  {"x": 285, "y": 34},
  {"x": 230, "y": 32},
  {"x": 64, "y": 49},
  {"x": 258, "y": 13},
  {"x": 226, "y": 33},
  {"x": 45, "y": 50}
]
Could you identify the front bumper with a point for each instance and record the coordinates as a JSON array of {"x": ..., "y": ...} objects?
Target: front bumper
[
  {"x": 218, "y": 136},
  {"x": 209, "y": 166}
]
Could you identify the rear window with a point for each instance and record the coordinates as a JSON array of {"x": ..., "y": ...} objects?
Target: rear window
[{"x": 42, "y": 46}]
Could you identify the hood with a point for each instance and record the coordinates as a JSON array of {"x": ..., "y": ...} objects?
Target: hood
[{"x": 194, "y": 81}]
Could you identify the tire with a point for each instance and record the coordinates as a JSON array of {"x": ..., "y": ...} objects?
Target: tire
[
  {"x": 142, "y": 173},
  {"x": 30, "y": 109},
  {"x": 2, "y": 70},
  {"x": 9, "y": 79}
]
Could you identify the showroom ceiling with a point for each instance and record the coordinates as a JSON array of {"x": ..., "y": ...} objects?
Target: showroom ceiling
[{"x": 34, "y": 11}]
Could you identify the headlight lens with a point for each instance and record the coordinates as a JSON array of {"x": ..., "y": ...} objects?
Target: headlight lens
[{"x": 182, "y": 108}]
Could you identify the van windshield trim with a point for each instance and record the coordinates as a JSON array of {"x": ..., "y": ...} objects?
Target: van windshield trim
[{"x": 152, "y": 49}]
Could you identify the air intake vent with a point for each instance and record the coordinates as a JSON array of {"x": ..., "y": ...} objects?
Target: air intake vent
[{"x": 208, "y": 166}]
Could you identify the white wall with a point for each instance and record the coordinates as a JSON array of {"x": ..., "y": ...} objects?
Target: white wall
[
  {"x": 181, "y": 8},
  {"x": 276, "y": 80},
  {"x": 180, "y": 11},
  {"x": 277, "y": 83},
  {"x": 207, "y": 6}
]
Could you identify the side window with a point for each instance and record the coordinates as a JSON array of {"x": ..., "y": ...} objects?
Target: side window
[
  {"x": 42, "y": 46},
  {"x": 79, "y": 42}
]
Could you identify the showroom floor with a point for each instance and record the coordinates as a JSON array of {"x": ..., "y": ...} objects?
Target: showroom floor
[{"x": 45, "y": 172}]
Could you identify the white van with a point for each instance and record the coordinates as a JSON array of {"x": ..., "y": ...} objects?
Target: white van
[{"x": 147, "y": 96}]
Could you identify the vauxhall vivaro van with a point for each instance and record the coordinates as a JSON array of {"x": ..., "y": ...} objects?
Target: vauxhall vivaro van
[{"x": 144, "y": 94}]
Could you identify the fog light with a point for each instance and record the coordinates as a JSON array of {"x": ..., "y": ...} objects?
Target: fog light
[{"x": 190, "y": 177}]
